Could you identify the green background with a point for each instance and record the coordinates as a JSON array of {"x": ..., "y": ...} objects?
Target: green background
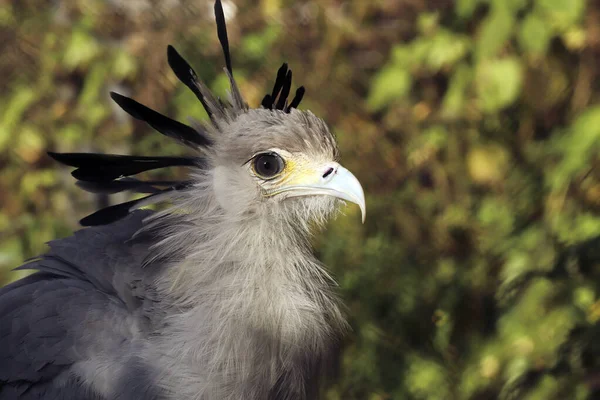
[{"x": 473, "y": 125}]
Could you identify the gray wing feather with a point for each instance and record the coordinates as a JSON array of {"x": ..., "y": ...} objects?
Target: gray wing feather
[{"x": 87, "y": 295}]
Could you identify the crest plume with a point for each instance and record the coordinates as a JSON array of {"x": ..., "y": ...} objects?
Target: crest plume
[{"x": 111, "y": 173}]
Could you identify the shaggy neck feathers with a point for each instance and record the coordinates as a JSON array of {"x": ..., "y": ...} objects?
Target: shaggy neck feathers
[{"x": 247, "y": 289}]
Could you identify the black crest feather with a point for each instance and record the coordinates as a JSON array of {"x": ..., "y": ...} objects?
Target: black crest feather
[
  {"x": 279, "y": 80},
  {"x": 222, "y": 33},
  {"x": 113, "y": 213},
  {"x": 297, "y": 98},
  {"x": 285, "y": 91},
  {"x": 125, "y": 184},
  {"x": 165, "y": 125},
  {"x": 186, "y": 74},
  {"x": 111, "y": 173},
  {"x": 96, "y": 167},
  {"x": 267, "y": 101},
  {"x": 277, "y": 100}
]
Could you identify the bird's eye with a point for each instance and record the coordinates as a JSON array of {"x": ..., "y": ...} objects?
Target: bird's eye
[{"x": 267, "y": 165}]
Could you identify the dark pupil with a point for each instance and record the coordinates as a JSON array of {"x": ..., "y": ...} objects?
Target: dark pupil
[{"x": 267, "y": 165}]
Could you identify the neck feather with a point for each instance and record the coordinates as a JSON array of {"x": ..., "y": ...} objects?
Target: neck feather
[{"x": 252, "y": 301}]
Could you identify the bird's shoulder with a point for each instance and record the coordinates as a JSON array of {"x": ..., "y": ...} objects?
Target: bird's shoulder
[
  {"x": 109, "y": 257},
  {"x": 85, "y": 301}
]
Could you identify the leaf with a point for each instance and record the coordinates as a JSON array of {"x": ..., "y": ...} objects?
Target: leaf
[
  {"x": 496, "y": 30},
  {"x": 392, "y": 83},
  {"x": 487, "y": 164},
  {"x": 256, "y": 46},
  {"x": 446, "y": 49},
  {"x": 94, "y": 87},
  {"x": 577, "y": 148},
  {"x": 534, "y": 35},
  {"x": 30, "y": 142},
  {"x": 498, "y": 83},
  {"x": 562, "y": 14},
  {"x": 428, "y": 23},
  {"x": 7, "y": 16},
  {"x": 82, "y": 48},
  {"x": 512, "y": 5},
  {"x": 22, "y": 98},
  {"x": 572, "y": 227},
  {"x": 427, "y": 379},
  {"x": 124, "y": 65},
  {"x": 465, "y": 8},
  {"x": 456, "y": 95}
]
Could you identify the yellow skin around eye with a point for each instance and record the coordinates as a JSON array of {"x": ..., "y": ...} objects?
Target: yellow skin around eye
[{"x": 298, "y": 170}]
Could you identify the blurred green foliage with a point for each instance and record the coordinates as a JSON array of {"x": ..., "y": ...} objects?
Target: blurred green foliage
[{"x": 474, "y": 126}]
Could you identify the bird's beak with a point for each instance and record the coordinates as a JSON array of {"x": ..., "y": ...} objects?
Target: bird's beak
[{"x": 334, "y": 180}]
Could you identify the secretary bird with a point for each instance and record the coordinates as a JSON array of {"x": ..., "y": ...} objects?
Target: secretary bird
[{"x": 219, "y": 296}]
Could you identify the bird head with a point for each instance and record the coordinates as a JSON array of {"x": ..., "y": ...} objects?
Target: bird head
[
  {"x": 276, "y": 163},
  {"x": 272, "y": 161}
]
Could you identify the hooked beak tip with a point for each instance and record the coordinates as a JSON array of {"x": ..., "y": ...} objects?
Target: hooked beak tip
[{"x": 345, "y": 186}]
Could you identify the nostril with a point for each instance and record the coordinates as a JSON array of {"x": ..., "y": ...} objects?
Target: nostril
[{"x": 328, "y": 172}]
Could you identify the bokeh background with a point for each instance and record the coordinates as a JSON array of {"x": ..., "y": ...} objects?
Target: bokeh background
[{"x": 474, "y": 126}]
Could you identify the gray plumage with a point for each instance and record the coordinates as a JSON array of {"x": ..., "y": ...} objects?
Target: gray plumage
[{"x": 217, "y": 297}]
